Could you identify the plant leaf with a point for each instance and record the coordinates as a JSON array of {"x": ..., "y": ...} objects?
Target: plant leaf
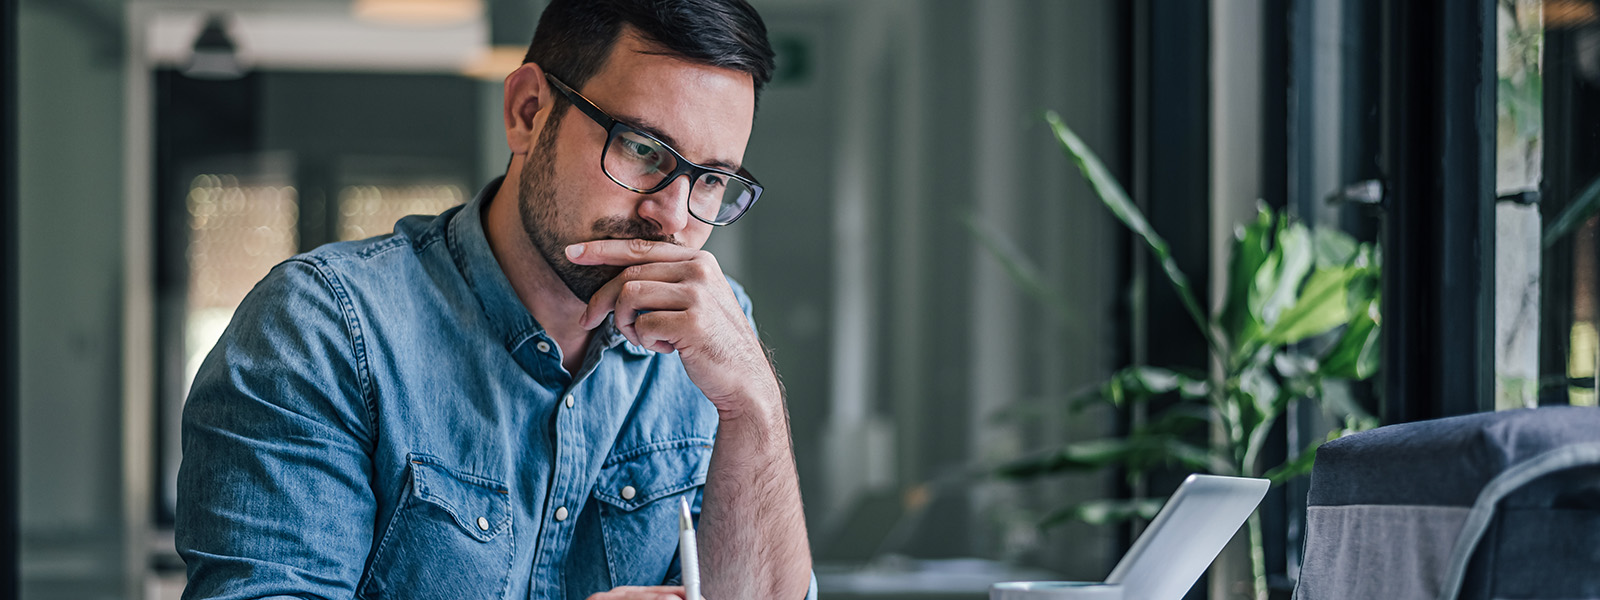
[
  {"x": 1333, "y": 248},
  {"x": 1105, "y": 512},
  {"x": 1355, "y": 355},
  {"x": 1140, "y": 383},
  {"x": 1257, "y": 385},
  {"x": 1364, "y": 284},
  {"x": 1116, "y": 199},
  {"x": 1293, "y": 365},
  {"x": 1278, "y": 282},
  {"x": 1251, "y": 246},
  {"x": 1150, "y": 380},
  {"x": 1319, "y": 308}
]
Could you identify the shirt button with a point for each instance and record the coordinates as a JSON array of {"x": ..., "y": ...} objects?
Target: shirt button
[
  {"x": 543, "y": 346},
  {"x": 569, "y": 401},
  {"x": 628, "y": 492},
  {"x": 483, "y": 523},
  {"x": 561, "y": 514}
]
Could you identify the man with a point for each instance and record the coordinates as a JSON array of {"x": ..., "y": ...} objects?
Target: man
[{"x": 510, "y": 400}]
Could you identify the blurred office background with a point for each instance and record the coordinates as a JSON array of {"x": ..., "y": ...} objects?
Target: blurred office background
[{"x": 166, "y": 153}]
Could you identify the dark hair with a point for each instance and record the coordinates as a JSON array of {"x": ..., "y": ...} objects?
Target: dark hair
[{"x": 575, "y": 37}]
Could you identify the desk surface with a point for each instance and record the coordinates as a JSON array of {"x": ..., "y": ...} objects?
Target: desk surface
[{"x": 912, "y": 579}]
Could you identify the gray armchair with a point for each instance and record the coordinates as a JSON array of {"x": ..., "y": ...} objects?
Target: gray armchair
[{"x": 1492, "y": 505}]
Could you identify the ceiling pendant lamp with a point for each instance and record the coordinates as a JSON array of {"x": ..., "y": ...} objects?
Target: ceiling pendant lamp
[{"x": 214, "y": 55}]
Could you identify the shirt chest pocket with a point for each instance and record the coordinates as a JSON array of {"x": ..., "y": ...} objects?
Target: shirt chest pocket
[
  {"x": 638, "y": 494},
  {"x": 449, "y": 537}
]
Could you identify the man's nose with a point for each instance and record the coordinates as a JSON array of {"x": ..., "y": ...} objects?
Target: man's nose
[{"x": 668, "y": 207}]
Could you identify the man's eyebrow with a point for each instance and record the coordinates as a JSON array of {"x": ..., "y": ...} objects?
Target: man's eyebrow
[{"x": 656, "y": 132}]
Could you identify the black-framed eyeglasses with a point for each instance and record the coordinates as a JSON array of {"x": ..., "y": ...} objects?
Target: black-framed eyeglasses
[{"x": 641, "y": 163}]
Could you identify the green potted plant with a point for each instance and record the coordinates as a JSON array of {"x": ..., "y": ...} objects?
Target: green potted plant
[{"x": 1301, "y": 310}]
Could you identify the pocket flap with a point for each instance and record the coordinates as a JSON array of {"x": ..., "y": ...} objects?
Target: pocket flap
[
  {"x": 480, "y": 506},
  {"x": 638, "y": 477}
]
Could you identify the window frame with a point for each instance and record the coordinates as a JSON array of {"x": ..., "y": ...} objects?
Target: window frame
[
  {"x": 1438, "y": 232},
  {"x": 10, "y": 350}
]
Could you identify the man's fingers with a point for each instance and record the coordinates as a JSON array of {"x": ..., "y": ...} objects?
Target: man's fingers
[
  {"x": 659, "y": 331},
  {"x": 627, "y": 252},
  {"x": 601, "y": 303},
  {"x": 645, "y": 295},
  {"x": 660, "y": 271},
  {"x": 604, "y": 299}
]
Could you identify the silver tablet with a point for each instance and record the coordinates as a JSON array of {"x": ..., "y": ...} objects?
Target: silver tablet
[{"x": 1188, "y": 533}]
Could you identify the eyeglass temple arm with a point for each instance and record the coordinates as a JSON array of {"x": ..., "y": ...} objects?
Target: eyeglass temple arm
[{"x": 582, "y": 103}]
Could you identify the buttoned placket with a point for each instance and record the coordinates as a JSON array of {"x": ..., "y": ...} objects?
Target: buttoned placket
[
  {"x": 566, "y": 497},
  {"x": 568, "y": 489},
  {"x": 541, "y": 359}
]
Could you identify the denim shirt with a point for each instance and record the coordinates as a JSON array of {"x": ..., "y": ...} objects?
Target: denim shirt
[{"x": 384, "y": 419}]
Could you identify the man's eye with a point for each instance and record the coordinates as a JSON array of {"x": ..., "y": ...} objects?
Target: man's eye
[
  {"x": 715, "y": 181},
  {"x": 638, "y": 150}
]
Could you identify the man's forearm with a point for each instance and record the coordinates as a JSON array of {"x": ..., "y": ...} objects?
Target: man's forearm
[{"x": 752, "y": 524}]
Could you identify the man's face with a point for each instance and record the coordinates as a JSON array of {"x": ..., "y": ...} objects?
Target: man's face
[{"x": 704, "y": 112}]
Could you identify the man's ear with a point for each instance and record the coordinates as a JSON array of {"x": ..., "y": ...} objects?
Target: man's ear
[{"x": 527, "y": 96}]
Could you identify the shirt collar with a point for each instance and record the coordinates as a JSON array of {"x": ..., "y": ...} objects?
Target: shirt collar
[
  {"x": 510, "y": 319},
  {"x": 610, "y": 337}
]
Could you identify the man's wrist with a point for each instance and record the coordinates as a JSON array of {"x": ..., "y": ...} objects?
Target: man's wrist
[{"x": 759, "y": 416}]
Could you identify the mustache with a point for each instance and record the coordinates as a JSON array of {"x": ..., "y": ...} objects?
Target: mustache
[{"x": 624, "y": 228}]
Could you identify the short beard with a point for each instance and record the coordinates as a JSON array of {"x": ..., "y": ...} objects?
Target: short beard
[{"x": 541, "y": 219}]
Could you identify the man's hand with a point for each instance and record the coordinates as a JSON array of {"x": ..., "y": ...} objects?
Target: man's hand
[
  {"x": 689, "y": 308},
  {"x": 752, "y": 527},
  {"x": 658, "y": 592}
]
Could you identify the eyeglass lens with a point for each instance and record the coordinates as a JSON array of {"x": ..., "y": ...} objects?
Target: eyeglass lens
[{"x": 640, "y": 162}]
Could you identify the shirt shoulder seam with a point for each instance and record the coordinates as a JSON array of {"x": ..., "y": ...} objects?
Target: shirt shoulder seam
[
  {"x": 353, "y": 332},
  {"x": 394, "y": 242}
]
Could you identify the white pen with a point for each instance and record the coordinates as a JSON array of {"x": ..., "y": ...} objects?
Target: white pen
[{"x": 688, "y": 555}]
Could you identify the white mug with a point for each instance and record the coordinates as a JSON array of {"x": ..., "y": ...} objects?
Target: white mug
[{"x": 1055, "y": 590}]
